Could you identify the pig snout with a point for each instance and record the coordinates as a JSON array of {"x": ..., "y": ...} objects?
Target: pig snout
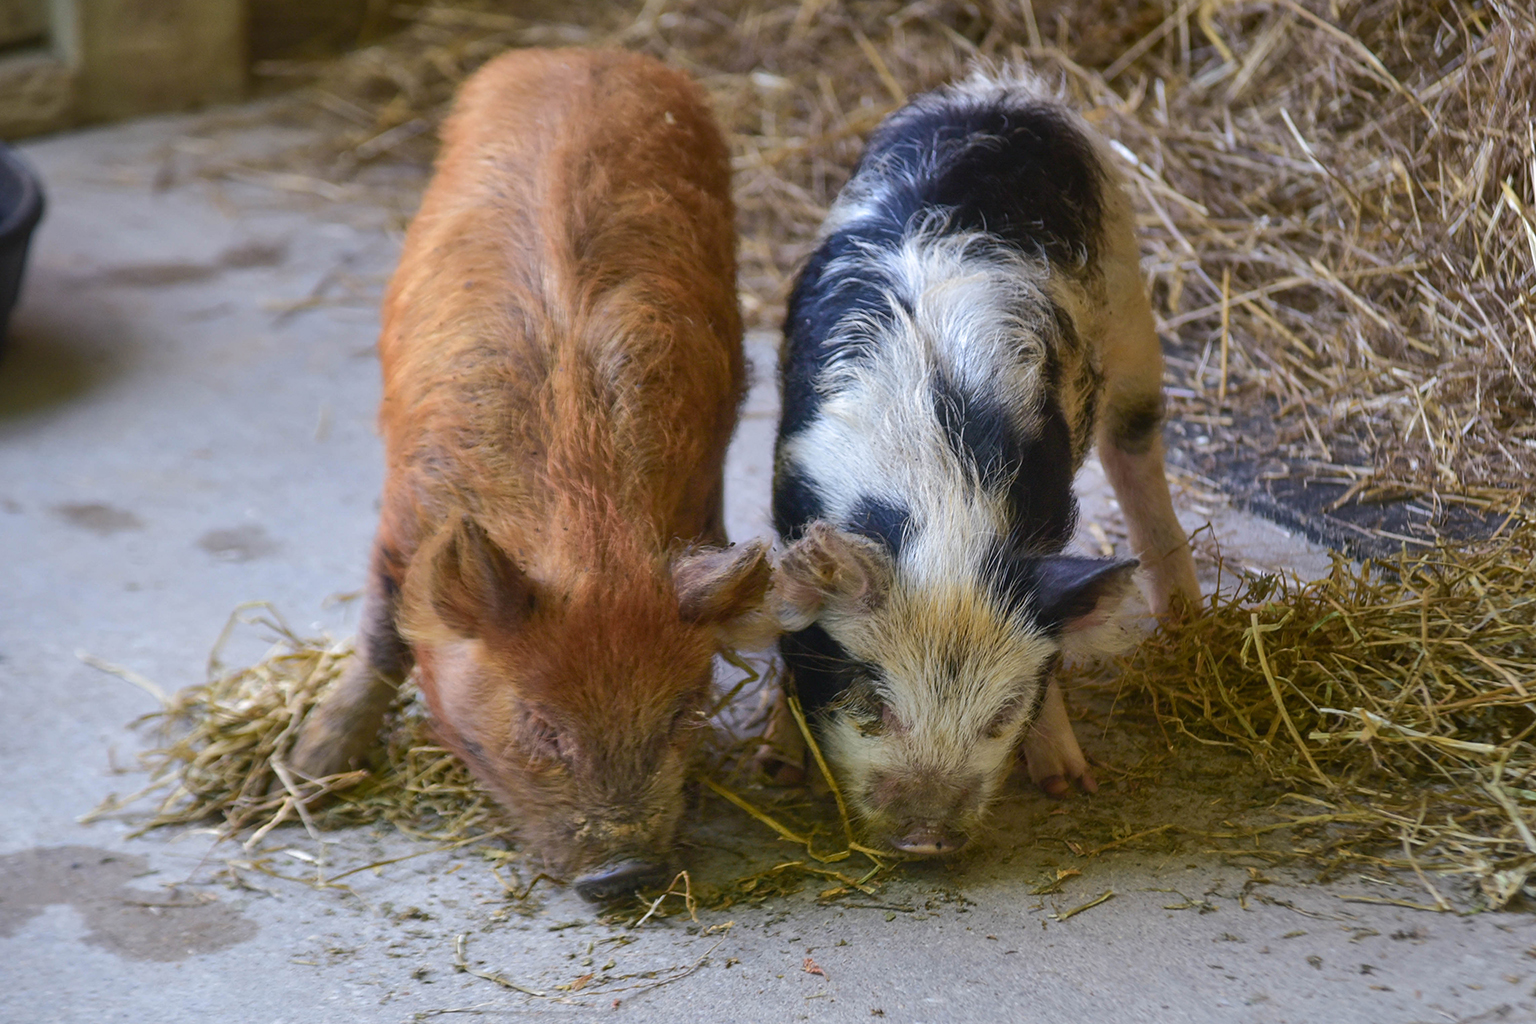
[
  {"x": 929, "y": 839},
  {"x": 624, "y": 855},
  {"x": 921, "y": 816},
  {"x": 620, "y": 878},
  {"x": 610, "y": 851}
]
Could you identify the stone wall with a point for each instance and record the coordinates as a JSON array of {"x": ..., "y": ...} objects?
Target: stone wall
[{"x": 71, "y": 62}]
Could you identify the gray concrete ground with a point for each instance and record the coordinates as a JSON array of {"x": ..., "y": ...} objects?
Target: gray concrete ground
[{"x": 186, "y": 424}]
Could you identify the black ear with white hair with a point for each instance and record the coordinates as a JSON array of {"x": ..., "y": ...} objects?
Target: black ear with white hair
[
  {"x": 829, "y": 569},
  {"x": 1082, "y": 598}
]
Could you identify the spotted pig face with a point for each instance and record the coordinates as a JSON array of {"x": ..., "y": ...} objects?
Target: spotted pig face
[{"x": 923, "y": 689}]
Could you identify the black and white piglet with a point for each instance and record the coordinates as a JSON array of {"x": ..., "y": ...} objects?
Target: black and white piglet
[{"x": 971, "y": 321}]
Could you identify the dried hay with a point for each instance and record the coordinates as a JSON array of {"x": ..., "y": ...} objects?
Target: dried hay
[
  {"x": 1398, "y": 698},
  {"x": 223, "y": 744},
  {"x": 1347, "y": 189}
]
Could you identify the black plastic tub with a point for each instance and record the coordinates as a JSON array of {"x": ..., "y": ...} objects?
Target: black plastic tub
[{"x": 21, "y": 207}]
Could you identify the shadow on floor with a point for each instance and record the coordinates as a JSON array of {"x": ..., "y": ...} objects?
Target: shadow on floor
[{"x": 51, "y": 357}]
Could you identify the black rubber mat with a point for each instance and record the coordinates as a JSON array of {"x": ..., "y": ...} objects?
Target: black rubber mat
[{"x": 1244, "y": 461}]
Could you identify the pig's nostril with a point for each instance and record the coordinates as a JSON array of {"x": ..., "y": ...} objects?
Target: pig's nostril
[
  {"x": 619, "y": 878},
  {"x": 930, "y": 841}
]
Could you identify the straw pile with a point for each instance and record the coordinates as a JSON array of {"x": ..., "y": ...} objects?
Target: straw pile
[
  {"x": 1348, "y": 191},
  {"x": 1397, "y": 699},
  {"x": 223, "y": 744}
]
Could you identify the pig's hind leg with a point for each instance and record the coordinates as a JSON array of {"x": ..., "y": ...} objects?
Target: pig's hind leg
[
  {"x": 1130, "y": 438},
  {"x": 344, "y": 728},
  {"x": 783, "y": 757}
]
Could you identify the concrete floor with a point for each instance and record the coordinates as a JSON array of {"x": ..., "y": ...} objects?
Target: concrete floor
[{"x": 186, "y": 424}]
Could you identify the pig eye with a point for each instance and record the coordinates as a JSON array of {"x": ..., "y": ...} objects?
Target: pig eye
[
  {"x": 875, "y": 718},
  {"x": 865, "y": 708},
  {"x": 541, "y": 739},
  {"x": 1003, "y": 721},
  {"x": 871, "y": 721},
  {"x": 686, "y": 716}
]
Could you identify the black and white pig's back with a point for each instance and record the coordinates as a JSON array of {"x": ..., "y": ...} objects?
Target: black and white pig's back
[{"x": 971, "y": 322}]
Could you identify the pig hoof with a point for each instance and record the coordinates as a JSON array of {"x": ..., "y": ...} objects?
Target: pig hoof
[
  {"x": 619, "y": 879},
  {"x": 323, "y": 751},
  {"x": 780, "y": 769},
  {"x": 930, "y": 841},
  {"x": 1054, "y": 786},
  {"x": 1059, "y": 788}
]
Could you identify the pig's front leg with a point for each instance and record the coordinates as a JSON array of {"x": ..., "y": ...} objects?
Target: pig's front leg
[
  {"x": 1050, "y": 749},
  {"x": 343, "y": 729}
]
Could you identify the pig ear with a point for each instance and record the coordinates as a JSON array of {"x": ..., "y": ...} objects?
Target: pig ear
[
  {"x": 475, "y": 588},
  {"x": 725, "y": 588},
  {"x": 829, "y": 569},
  {"x": 1084, "y": 599}
]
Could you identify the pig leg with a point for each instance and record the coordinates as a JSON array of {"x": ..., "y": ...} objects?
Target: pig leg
[
  {"x": 344, "y": 728},
  {"x": 1156, "y": 537},
  {"x": 1051, "y": 751},
  {"x": 1130, "y": 439},
  {"x": 784, "y": 757}
]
